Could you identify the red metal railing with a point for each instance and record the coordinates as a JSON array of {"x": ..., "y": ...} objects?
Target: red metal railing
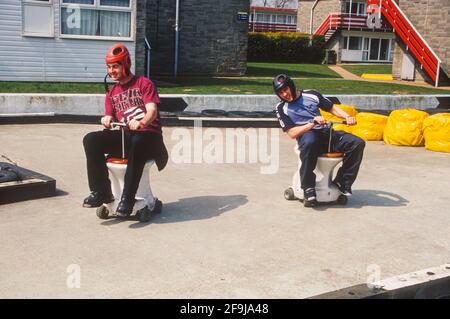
[
  {"x": 323, "y": 28},
  {"x": 410, "y": 36},
  {"x": 271, "y": 27},
  {"x": 345, "y": 20}
]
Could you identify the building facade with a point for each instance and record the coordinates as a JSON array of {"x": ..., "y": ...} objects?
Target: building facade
[
  {"x": 270, "y": 18},
  {"x": 66, "y": 40},
  {"x": 431, "y": 18},
  {"x": 354, "y": 35},
  {"x": 61, "y": 40},
  {"x": 413, "y": 35},
  {"x": 212, "y": 38}
]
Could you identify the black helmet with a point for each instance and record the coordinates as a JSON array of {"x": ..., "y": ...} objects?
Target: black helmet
[{"x": 280, "y": 82}]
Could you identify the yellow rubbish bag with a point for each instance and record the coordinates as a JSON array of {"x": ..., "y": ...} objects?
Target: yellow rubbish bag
[
  {"x": 350, "y": 110},
  {"x": 405, "y": 127},
  {"x": 436, "y": 131},
  {"x": 370, "y": 126}
]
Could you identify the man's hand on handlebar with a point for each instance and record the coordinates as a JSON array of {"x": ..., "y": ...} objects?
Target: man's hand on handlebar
[
  {"x": 134, "y": 124},
  {"x": 350, "y": 120},
  {"x": 320, "y": 120},
  {"x": 106, "y": 121}
]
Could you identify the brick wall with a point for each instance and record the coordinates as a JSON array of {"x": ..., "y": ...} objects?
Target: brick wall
[
  {"x": 140, "y": 33},
  {"x": 321, "y": 11},
  {"x": 212, "y": 40},
  {"x": 432, "y": 19}
]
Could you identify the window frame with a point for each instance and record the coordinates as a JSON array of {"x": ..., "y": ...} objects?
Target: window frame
[
  {"x": 97, "y": 7},
  {"x": 360, "y": 42},
  {"x": 38, "y": 3}
]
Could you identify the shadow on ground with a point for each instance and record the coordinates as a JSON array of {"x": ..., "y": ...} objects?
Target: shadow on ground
[
  {"x": 191, "y": 208},
  {"x": 368, "y": 197}
]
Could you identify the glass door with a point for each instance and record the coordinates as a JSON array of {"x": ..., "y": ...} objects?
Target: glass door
[
  {"x": 374, "y": 49},
  {"x": 384, "y": 50},
  {"x": 378, "y": 50}
]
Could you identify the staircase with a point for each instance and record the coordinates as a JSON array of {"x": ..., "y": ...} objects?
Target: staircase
[
  {"x": 414, "y": 42},
  {"x": 328, "y": 28}
]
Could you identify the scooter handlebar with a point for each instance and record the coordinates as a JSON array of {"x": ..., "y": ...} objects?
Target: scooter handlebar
[
  {"x": 337, "y": 122},
  {"x": 115, "y": 124}
]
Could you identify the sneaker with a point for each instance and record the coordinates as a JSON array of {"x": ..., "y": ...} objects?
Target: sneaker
[
  {"x": 97, "y": 199},
  {"x": 125, "y": 207},
  {"x": 345, "y": 190},
  {"x": 310, "y": 197}
]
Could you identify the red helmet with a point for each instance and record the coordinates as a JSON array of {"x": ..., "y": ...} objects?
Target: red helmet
[{"x": 118, "y": 53}]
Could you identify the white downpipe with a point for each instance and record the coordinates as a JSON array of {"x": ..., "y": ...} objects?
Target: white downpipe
[
  {"x": 311, "y": 17},
  {"x": 147, "y": 44},
  {"x": 350, "y": 15},
  {"x": 379, "y": 10},
  {"x": 254, "y": 19},
  {"x": 177, "y": 36}
]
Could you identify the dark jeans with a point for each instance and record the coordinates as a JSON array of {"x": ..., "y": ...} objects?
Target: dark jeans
[
  {"x": 139, "y": 147},
  {"x": 315, "y": 142}
]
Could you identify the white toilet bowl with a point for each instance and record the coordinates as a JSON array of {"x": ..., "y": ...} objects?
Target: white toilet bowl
[
  {"x": 326, "y": 191},
  {"x": 145, "y": 201}
]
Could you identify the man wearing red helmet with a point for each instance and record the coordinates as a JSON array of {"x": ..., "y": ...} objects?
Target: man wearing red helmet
[{"x": 133, "y": 100}]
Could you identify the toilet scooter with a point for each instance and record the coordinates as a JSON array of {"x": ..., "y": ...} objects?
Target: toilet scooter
[
  {"x": 326, "y": 190},
  {"x": 146, "y": 205}
]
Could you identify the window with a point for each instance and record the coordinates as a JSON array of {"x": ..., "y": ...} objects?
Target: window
[
  {"x": 361, "y": 8},
  {"x": 291, "y": 20},
  {"x": 96, "y": 18},
  {"x": 261, "y": 17},
  {"x": 281, "y": 18},
  {"x": 358, "y": 8},
  {"x": 37, "y": 18},
  {"x": 354, "y": 43}
]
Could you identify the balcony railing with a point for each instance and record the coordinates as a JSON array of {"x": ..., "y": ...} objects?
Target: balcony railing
[
  {"x": 271, "y": 27},
  {"x": 348, "y": 21}
]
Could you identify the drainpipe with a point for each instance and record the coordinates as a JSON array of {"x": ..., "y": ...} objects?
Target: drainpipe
[
  {"x": 350, "y": 15},
  {"x": 311, "y": 19},
  {"x": 311, "y": 22},
  {"x": 177, "y": 36}
]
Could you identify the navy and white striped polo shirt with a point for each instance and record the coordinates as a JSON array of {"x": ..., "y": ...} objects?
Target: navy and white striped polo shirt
[{"x": 302, "y": 110}]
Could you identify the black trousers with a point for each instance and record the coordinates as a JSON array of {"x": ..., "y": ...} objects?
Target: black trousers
[
  {"x": 139, "y": 147},
  {"x": 315, "y": 142}
]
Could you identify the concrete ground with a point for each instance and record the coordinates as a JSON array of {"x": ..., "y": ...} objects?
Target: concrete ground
[{"x": 225, "y": 231}]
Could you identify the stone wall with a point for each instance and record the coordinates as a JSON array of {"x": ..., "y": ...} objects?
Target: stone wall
[
  {"x": 431, "y": 18},
  {"x": 321, "y": 11},
  {"x": 140, "y": 34},
  {"x": 212, "y": 39}
]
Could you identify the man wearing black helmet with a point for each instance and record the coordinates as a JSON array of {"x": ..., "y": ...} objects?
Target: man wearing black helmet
[{"x": 299, "y": 116}]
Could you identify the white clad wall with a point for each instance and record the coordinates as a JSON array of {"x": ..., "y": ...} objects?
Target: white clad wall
[{"x": 30, "y": 58}]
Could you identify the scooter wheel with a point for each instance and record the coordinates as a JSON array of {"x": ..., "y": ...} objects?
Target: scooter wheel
[
  {"x": 102, "y": 212},
  {"x": 342, "y": 200},
  {"x": 289, "y": 194},
  {"x": 144, "y": 215}
]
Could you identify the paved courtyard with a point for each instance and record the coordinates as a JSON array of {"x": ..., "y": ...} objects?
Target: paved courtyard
[{"x": 225, "y": 231}]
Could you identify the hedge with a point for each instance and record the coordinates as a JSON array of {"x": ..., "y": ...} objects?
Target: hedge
[{"x": 287, "y": 47}]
